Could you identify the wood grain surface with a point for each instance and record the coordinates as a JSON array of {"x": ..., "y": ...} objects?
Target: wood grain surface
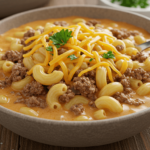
[{"x": 12, "y": 141}]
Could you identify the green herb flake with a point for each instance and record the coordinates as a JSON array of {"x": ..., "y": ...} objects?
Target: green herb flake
[
  {"x": 51, "y": 54},
  {"x": 108, "y": 55},
  {"x": 72, "y": 57},
  {"x": 132, "y": 3},
  {"x": 49, "y": 48},
  {"x": 91, "y": 59},
  {"x": 60, "y": 38}
]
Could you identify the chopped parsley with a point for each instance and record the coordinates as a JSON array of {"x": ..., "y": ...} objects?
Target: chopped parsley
[
  {"x": 49, "y": 48},
  {"x": 72, "y": 57},
  {"x": 91, "y": 59},
  {"x": 60, "y": 38},
  {"x": 132, "y": 3},
  {"x": 52, "y": 54},
  {"x": 108, "y": 55}
]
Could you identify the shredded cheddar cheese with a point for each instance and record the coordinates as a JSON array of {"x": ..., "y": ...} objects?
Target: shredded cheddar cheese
[{"x": 82, "y": 44}]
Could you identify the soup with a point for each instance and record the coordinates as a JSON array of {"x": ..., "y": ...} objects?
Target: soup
[{"x": 74, "y": 69}]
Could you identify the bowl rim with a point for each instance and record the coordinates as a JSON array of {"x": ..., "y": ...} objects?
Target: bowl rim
[
  {"x": 108, "y": 3},
  {"x": 74, "y": 123}
]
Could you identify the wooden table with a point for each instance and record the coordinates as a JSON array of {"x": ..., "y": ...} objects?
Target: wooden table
[{"x": 12, "y": 141}]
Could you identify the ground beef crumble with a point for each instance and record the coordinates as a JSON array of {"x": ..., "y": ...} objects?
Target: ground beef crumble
[
  {"x": 61, "y": 51},
  {"x": 33, "y": 89},
  {"x": 32, "y": 102},
  {"x": 139, "y": 74},
  {"x": 29, "y": 33},
  {"x": 123, "y": 33},
  {"x": 92, "y": 22},
  {"x": 140, "y": 56},
  {"x": 125, "y": 96},
  {"x": 18, "y": 73},
  {"x": 13, "y": 56},
  {"x": 125, "y": 82},
  {"x": 85, "y": 87},
  {"x": 92, "y": 104},
  {"x": 61, "y": 23},
  {"x": 65, "y": 98},
  {"x": 90, "y": 74},
  {"x": 119, "y": 47},
  {"x": 77, "y": 109},
  {"x": 122, "y": 98}
]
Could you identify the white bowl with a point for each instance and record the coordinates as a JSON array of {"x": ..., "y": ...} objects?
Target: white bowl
[{"x": 145, "y": 11}]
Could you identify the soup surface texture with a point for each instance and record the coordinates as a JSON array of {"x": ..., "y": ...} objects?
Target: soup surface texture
[{"x": 74, "y": 68}]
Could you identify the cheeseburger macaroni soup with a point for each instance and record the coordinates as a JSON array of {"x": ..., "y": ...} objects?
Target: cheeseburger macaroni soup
[{"x": 74, "y": 69}]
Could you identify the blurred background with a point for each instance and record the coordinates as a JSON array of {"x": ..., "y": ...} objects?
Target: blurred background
[{"x": 10, "y": 7}]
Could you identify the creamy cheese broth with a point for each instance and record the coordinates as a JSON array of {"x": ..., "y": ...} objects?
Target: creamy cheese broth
[{"x": 63, "y": 114}]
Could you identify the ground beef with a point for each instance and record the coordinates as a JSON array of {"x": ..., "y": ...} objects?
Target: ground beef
[
  {"x": 92, "y": 22},
  {"x": 85, "y": 86},
  {"x": 18, "y": 72},
  {"x": 61, "y": 51},
  {"x": 125, "y": 82},
  {"x": 33, "y": 89},
  {"x": 5, "y": 83},
  {"x": 119, "y": 47},
  {"x": 32, "y": 102},
  {"x": 139, "y": 74},
  {"x": 61, "y": 23},
  {"x": 123, "y": 33},
  {"x": 13, "y": 56},
  {"x": 92, "y": 104},
  {"x": 122, "y": 98},
  {"x": 139, "y": 57},
  {"x": 90, "y": 74},
  {"x": 29, "y": 33},
  {"x": 23, "y": 42},
  {"x": 65, "y": 98},
  {"x": 77, "y": 109}
]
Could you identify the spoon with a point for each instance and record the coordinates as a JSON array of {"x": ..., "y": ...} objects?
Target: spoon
[{"x": 144, "y": 46}]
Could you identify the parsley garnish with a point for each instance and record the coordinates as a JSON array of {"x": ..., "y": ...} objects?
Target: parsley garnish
[
  {"x": 49, "y": 48},
  {"x": 91, "y": 59},
  {"x": 61, "y": 38},
  {"x": 51, "y": 54},
  {"x": 108, "y": 55},
  {"x": 132, "y": 3},
  {"x": 72, "y": 57}
]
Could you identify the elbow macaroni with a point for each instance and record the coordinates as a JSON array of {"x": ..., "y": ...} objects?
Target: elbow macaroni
[
  {"x": 38, "y": 57},
  {"x": 7, "y": 66},
  {"x": 28, "y": 111},
  {"x": 110, "y": 103},
  {"x": 76, "y": 100},
  {"x": 3, "y": 99},
  {"x": 110, "y": 89},
  {"x": 143, "y": 89},
  {"x": 101, "y": 77},
  {"x": 139, "y": 39},
  {"x": 135, "y": 84},
  {"x": 46, "y": 79},
  {"x": 53, "y": 95},
  {"x": 82, "y": 118},
  {"x": 19, "y": 85},
  {"x": 100, "y": 114}
]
